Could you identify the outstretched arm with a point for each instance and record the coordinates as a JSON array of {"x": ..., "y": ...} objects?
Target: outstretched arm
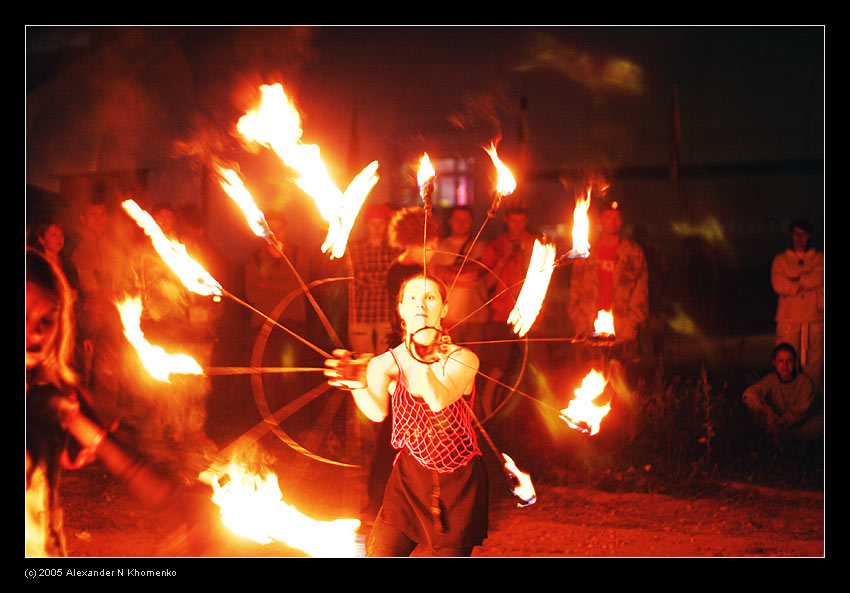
[{"x": 367, "y": 378}]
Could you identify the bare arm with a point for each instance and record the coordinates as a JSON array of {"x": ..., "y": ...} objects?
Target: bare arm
[
  {"x": 368, "y": 382},
  {"x": 443, "y": 382}
]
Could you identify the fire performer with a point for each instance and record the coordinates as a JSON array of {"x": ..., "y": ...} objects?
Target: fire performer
[
  {"x": 64, "y": 431},
  {"x": 437, "y": 494},
  {"x": 613, "y": 278}
]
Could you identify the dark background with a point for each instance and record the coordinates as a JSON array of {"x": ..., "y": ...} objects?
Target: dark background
[{"x": 140, "y": 110}]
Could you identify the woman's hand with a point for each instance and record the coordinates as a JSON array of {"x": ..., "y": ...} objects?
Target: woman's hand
[{"x": 347, "y": 370}]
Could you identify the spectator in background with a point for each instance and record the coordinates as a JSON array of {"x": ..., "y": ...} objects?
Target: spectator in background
[
  {"x": 47, "y": 236},
  {"x": 613, "y": 278},
  {"x": 467, "y": 313},
  {"x": 797, "y": 276},
  {"x": 370, "y": 306},
  {"x": 99, "y": 261},
  {"x": 782, "y": 401},
  {"x": 508, "y": 256}
]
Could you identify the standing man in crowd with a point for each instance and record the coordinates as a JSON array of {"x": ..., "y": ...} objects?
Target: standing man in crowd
[{"x": 797, "y": 278}]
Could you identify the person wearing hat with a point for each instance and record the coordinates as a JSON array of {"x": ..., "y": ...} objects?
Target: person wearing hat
[
  {"x": 613, "y": 278},
  {"x": 797, "y": 276}
]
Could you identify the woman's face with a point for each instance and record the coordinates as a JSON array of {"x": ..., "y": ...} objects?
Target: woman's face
[
  {"x": 42, "y": 325},
  {"x": 53, "y": 239},
  {"x": 421, "y": 305}
]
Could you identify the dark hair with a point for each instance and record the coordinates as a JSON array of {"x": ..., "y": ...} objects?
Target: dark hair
[
  {"x": 408, "y": 228},
  {"x": 57, "y": 364},
  {"x": 39, "y": 228},
  {"x": 786, "y": 347},
  {"x": 802, "y": 224}
]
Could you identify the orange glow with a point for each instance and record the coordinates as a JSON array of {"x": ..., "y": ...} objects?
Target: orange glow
[
  {"x": 604, "y": 324},
  {"x": 157, "y": 361},
  {"x": 581, "y": 227},
  {"x": 252, "y": 506},
  {"x": 524, "y": 490},
  {"x": 276, "y": 124},
  {"x": 581, "y": 413},
  {"x": 192, "y": 274},
  {"x": 505, "y": 182},
  {"x": 534, "y": 288}
]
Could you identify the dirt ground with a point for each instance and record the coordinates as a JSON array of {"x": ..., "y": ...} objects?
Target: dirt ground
[{"x": 710, "y": 520}]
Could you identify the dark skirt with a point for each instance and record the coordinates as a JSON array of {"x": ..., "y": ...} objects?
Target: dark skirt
[{"x": 414, "y": 493}]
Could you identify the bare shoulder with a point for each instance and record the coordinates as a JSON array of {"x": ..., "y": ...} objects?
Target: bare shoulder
[
  {"x": 382, "y": 362},
  {"x": 465, "y": 357}
]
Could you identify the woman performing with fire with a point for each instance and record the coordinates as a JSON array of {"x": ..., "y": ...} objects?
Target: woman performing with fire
[
  {"x": 63, "y": 430},
  {"x": 437, "y": 494}
]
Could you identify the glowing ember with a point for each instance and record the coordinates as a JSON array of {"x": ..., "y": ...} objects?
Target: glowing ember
[
  {"x": 582, "y": 414},
  {"x": 277, "y": 124},
  {"x": 530, "y": 298},
  {"x": 157, "y": 361},
  {"x": 252, "y": 506},
  {"x": 604, "y": 324},
  {"x": 193, "y": 276},
  {"x": 581, "y": 228},
  {"x": 524, "y": 489},
  {"x": 505, "y": 182},
  {"x": 235, "y": 188}
]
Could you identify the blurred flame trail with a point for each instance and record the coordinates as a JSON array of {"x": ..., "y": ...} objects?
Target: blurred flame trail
[
  {"x": 190, "y": 272},
  {"x": 277, "y": 124},
  {"x": 193, "y": 276},
  {"x": 155, "y": 359},
  {"x": 252, "y": 506},
  {"x": 534, "y": 288},
  {"x": 235, "y": 188}
]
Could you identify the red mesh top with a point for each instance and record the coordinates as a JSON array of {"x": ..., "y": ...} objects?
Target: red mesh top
[{"x": 444, "y": 440}]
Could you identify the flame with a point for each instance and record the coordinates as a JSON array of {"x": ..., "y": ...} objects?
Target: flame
[
  {"x": 581, "y": 413},
  {"x": 604, "y": 324},
  {"x": 505, "y": 182},
  {"x": 277, "y": 124},
  {"x": 534, "y": 288},
  {"x": 425, "y": 175},
  {"x": 157, "y": 361},
  {"x": 235, "y": 188},
  {"x": 193, "y": 276},
  {"x": 524, "y": 490},
  {"x": 581, "y": 227},
  {"x": 252, "y": 506}
]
